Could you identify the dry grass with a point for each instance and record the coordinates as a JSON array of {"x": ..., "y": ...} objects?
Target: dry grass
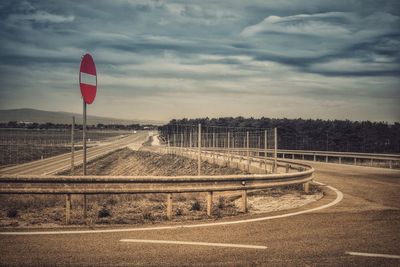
[{"x": 49, "y": 210}]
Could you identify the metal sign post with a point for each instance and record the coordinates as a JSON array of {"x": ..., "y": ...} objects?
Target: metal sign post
[
  {"x": 88, "y": 86},
  {"x": 73, "y": 145},
  {"x": 84, "y": 138}
]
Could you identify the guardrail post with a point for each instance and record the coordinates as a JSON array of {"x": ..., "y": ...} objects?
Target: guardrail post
[
  {"x": 306, "y": 187},
  {"x": 355, "y": 161},
  {"x": 302, "y": 156},
  {"x": 340, "y": 160},
  {"x": 326, "y": 159},
  {"x": 199, "y": 152},
  {"x": 169, "y": 206},
  {"x": 85, "y": 207},
  {"x": 244, "y": 201},
  {"x": 315, "y": 157},
  {"x": 292, "y": 156},
  {"x": 287, "y": 168},
  {"x": 390, "y": 164},
  {"x": 371, "y": 162},
  {"x": 68, "y": 209},
  {"x": 209, "y": 203}
]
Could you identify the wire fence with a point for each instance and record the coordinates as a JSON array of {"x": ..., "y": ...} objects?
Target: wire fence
[
  {"x": 23, "y": 145},
  {"x": 217, "y": 137}
]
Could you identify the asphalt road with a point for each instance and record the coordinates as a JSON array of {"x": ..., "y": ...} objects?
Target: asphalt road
[
  {"x": 366, "y": 220},
  {"x": 57, "y": 163}
]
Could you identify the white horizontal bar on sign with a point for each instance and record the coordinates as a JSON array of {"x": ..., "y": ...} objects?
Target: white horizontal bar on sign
[{"x": 89, "y": 79}]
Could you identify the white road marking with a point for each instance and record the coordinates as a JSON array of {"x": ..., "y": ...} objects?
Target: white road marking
[
  {"x": 192, "y": 243},
  {"x": 362, "y": 254},
  {"x": 339, "y": 197}
]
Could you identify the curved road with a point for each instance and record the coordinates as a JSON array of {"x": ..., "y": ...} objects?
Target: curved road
[{"x": 367, "y": 220}]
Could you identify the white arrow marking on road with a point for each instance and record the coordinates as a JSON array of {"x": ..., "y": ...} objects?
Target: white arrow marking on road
[{"x": 192, "y": 243}]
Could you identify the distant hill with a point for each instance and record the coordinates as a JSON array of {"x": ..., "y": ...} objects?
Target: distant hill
[{"x": 42, "y": 116}]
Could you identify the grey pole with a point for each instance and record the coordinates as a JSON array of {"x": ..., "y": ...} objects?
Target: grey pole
[
  {"x": 84, "y": 156},
  {"x": 199, "y": 152},
  {"x": 276, "y": 150}
]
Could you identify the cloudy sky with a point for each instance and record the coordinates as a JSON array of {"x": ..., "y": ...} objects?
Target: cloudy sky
[{"x": 171, "y": 59}]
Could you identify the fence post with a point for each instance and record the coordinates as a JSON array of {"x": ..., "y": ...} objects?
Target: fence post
[
  {"x": 190, "y": 139},
  {"x": 276, "y": 150},
  {"x": 199, "y": 152},
  {"x": 248, "y": 151},
  {"x": 181, "y": 144},
  {"x": 169, "y": 206},
  {"x": 68, "y": 209},
  {"x": 229, "y": 146},
  {"x": 209, "y": 203},
  {"x": 265, "y": 149}
]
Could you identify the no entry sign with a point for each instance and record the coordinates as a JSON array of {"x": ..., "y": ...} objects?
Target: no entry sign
[{"x": 88, "y": 79}]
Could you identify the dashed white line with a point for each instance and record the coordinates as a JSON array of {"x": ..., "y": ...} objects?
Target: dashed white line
[
  {"x": 192, "y": 243},
  {"x": 363, "y": 254}
]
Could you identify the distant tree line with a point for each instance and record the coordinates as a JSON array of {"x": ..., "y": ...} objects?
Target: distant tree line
[
  {"x": 330, "y": 135},
  {"x": 49, "y": 125}
]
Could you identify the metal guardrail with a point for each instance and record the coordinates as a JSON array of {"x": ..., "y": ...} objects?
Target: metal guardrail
[
  {"x": 389, "y": 159},
  {"x": 32, "y": 184},
  {"x": 145, "y": 184}
]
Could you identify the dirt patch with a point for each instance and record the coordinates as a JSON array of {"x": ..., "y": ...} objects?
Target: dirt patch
[
  {"x": 280, "y": 199},
  {"x": 128, "y": 162}
]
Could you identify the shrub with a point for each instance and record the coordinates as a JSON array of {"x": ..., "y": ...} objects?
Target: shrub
[
  {"x": 148, "y": 215},
  {"x": 179, "y": 212},
  {"x": 221, "y": 202},
  {"x": 112, "y": 201},
  {"x": 196, "y": 205},
  {"x": 12, "y": 213},
  {"x": 104, "y": 212}
]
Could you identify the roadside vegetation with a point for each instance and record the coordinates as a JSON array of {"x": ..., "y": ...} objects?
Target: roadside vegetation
[{"x": 49, "y": 210}]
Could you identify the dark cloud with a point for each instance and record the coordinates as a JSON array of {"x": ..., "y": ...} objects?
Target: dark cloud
[{"x": 205, "y": 49}]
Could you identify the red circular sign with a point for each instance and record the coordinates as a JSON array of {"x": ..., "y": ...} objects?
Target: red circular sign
[{"x": 88, "y": 79}]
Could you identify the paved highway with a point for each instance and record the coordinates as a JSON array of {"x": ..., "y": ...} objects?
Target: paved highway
[
  {"x": 57, "y": 163},
  {"x": 367, "y": 220}
]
